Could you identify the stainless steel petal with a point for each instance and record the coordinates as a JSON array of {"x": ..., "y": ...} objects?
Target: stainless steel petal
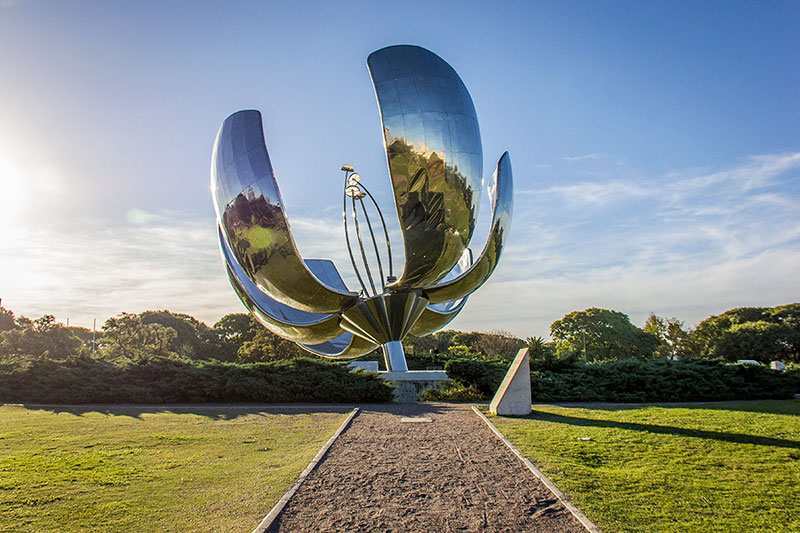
[
  {"x": 345, "y": 346},
  {"x": 433, "y": 148},
  {"x": 384, "y": 318},
  {"x": 501, "y": 191},
  {"x": 435, "y": 318},
  {"x": 250, "y": 212},
  {"x": 280, "y": 319}
]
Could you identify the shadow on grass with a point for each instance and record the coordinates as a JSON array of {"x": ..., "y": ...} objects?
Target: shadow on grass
[
  {"x": 664, "y": 430},
  {"x": 233, "y": 411},
  {"x": 775, "y": 407},
  {"x": 213, "y": 411}
]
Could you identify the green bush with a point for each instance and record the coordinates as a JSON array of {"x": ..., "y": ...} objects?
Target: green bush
[
  {"x": 167, "y": 380},
  {"x": 484, "y": 375},
  {"x": 452, "y": 392},
  {"x": 630, "y": 380}
]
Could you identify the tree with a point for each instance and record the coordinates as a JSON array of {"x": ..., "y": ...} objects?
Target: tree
[
  {"x": 43, "y": 337},
  {"x": 498, "y": 343},
  {"x": 673, "y": 338},
  {"x": 193, "y": 339},
  {"x": 127, "y": 336},
  {"x": 761, "y": 332},
  {"x": 266, "y": 346},
  {"x": 7, "y": 321},
  {"x": 599, "y": 334},
  {"x": 437, "y": 342},
  {"x": 465, "y": 339},
  {"x": 230, "y": 333},
  {"x": 759, "y": 340}
]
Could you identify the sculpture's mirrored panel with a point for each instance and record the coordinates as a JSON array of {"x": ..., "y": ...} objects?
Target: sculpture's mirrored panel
[
  {"x": 434, "y": 155},
  {"x": 433, "y": 148}
]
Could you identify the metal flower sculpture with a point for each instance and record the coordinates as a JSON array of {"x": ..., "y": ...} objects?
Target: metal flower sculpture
[{"x": 433, "y": 147}]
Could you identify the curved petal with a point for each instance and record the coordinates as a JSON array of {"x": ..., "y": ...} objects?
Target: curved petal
[
  {"x": 250, "y": 212},
  {"x": 384, "y": 318},
  {"x": 433, "y": 148},
  {"x": 501, "y": 190},
  {"x": 280, "y": 319},
  {"x": 345, "y": 346},
  {"x": 437, "y": 316}
]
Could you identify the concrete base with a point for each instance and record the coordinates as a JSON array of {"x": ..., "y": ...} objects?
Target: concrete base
[
  {"x": 369, "y": 366},
  {"x": 514, "y": 395},
  {"x": 408, "y": 385}
]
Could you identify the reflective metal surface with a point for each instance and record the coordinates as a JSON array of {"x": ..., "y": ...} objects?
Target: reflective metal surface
[
  {"x": 501, "y": 191},
  {"x": 433, "y": 148},
  {"x": 434, "y": 318},
  {"x": 250, "y": 212},
  {"x": 437, "y": 316},
  {"x": 345, "y": 346},
  {"x": 394, "y": 357},
  {"x": 384, "y": 318},
  {"x": 293, "y": 324}
]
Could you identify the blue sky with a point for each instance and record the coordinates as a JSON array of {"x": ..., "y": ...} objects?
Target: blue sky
[{"x": 655, "y": 147}]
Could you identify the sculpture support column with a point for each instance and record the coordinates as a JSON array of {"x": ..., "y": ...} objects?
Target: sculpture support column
[{"x": 394, "y": 357}]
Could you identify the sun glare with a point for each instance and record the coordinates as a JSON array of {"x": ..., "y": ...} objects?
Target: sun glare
[{"x": 12, "y": 192}]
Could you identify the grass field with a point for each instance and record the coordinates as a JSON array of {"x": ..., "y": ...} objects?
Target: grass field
[
  {"x": 134, "y": 469},
  {"x": 728, "y": 467}
]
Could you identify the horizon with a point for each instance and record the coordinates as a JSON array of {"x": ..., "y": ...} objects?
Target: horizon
[{"x": 655, "y": 149}]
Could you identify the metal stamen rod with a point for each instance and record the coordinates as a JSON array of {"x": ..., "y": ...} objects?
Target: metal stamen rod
[
  {"x": 361, "y": 246},
  {"x": 347, "y": 236},
  {"x": 374, "y": 243},
  {"x": 385, "y": 231}
]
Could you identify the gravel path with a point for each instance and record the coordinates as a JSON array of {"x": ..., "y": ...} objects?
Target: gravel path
[{"x": 450, "y": 474}]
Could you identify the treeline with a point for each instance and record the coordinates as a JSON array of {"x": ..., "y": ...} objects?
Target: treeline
[
  {"x": 235, "y": 337},
  {"x": 595, "y": 355},
  {"x": 763, "y": 334},
  {"x": 164, "y": 357}
]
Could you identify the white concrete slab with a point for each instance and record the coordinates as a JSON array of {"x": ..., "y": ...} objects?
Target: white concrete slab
[
  {"x": 415, "y": 420},
  {"x": 514, "y": 395}
]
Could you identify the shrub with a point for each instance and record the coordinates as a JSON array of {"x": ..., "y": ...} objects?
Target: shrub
[
  {"x": 483, "y": 375},
  {"x": 165, "y": 380},
  {"x": 630, "y": 380},
  {"x": 452, "y": 392}
]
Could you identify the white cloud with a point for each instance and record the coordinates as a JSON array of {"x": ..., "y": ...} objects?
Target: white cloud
[
  {"x": 584, "y": 157},
  {"x": 690, "y": 244},
  {"x": 97, "y": 269},
  {"x": 592, "y": 193}
]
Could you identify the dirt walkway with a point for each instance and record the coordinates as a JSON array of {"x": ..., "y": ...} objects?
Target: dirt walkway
[{"x": 450, "y": 474}]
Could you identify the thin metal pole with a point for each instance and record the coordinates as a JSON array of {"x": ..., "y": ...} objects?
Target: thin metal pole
[
  {"x": 385, "y": 231},
  {"x": 374, "y": 243},
  {"x": 361, "y": 246},
  {"x": 584, "y": 345},
  {"x": 347, "y": 236},
  {"x": 94, "y": 329}
]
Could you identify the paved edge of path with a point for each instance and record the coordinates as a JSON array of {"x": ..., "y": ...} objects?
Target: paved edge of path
[
  {"x": 585, "y": 522},
  {"x": 278, "y": 507}
]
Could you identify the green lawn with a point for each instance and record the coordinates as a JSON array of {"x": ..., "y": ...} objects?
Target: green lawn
[
  {"x": 138, "y": 469},
  {"x": 732, "y": 467}
]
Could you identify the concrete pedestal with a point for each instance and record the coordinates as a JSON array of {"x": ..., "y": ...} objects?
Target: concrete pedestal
[
  {"x": 408, "y": 385},
  {"x": 514, "y": 395}
]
